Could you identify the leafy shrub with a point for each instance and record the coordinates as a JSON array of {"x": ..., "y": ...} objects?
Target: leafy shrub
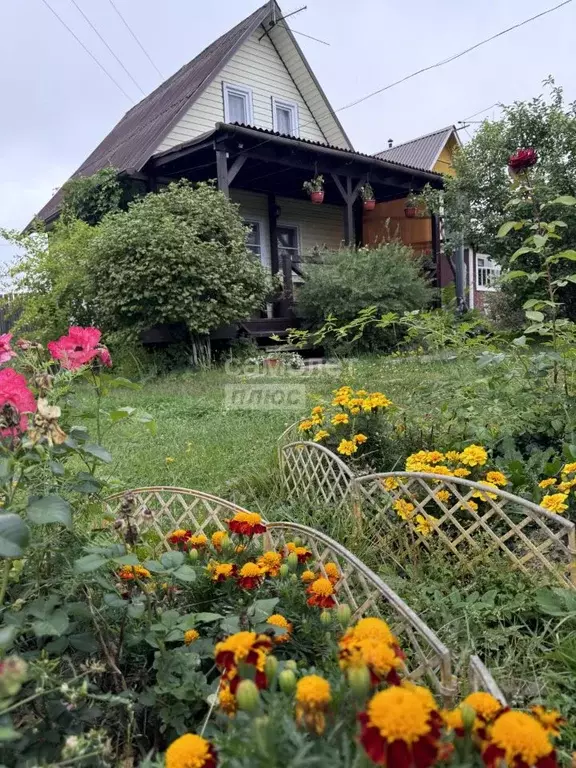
[
  {"x": 90, "y": 198},
  {"x": 343, "y": 283},
  {"x": 176, "y": 256}
]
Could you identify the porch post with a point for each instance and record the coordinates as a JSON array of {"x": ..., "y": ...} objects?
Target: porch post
[
  {"x": 279, "y": 306},
  {"x": 222, "y": 171},
  {"x": 349, "y": 235}
]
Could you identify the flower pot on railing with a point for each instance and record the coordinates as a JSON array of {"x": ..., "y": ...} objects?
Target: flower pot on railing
[
  {"x": 410, "y": 211},
  {"x": 317, "y": 198},
  {"x": 271, "y": 362},
  {"x": 369, "y": 205}
]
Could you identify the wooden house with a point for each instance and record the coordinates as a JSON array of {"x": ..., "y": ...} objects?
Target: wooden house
[{"x": 249, "y": 112}]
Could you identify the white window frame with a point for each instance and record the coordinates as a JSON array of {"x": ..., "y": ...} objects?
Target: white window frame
[
  {"x": 262, "y": 223},
  {"x": 238, "y": 90},
  {"x": 293, "y": 225},
  {"x": 491, "y": 272},
  {"x": 292, "y": 106}
]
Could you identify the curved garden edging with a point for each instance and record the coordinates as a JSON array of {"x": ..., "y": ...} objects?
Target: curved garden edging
[
  {"x": 162, "y": 508},
  {"x": 526, "y": 533}
]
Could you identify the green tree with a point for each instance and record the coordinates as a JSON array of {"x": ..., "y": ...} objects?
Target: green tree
[
  {"x": 176, "y": 256},
  {"x": 90, "y": 198}
]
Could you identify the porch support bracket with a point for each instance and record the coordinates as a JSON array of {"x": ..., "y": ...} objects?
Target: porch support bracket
[{"x": 349, "y": 195}]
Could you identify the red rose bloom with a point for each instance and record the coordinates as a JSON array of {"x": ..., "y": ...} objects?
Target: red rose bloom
[
  {"x": 79, "y": 347},
  {"x": 524, "y": 158},
  {"x": 15, "y": 401}
]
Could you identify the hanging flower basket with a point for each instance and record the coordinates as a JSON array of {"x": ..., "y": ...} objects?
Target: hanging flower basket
[
  {"x": 317, "y": 198},
  {"x": 410, "y": 211},
  {"x": 369, "y": 205},
  {"x": 315, "y": 189}
]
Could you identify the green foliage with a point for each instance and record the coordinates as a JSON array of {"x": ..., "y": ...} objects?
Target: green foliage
[
  {"x": 176, "y": 256},
  {"x": 343, "y": 283},
  {"x": 90, "y": 198}
]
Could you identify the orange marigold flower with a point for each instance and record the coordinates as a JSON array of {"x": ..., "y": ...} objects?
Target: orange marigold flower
[
  {"x": 308, "y": 577},
  {"x": 246, "y": 524},
  {"x": 226, "y": 699},
  {"x": 313, "y": 697},
  {"x": 359, "y": 438},
  {"x": 131, "y": 572},
  {"x": 270, "y": 562},
  {"x": 390, "y": 483},
  {"x": 400, "y": 729},
  {"x": 370, "y": 628},
  {"x": 555, "y": 502},
  {"x": 518, "y": 740},
  {"x": 197, "y": 542},
  {"x": 190, "y": 636},
  {"x": 474, "y": 456},
  {"x": 321, "y": 592},
  {"x": 222, "y": 571},
  {"x": 277, "y": 620},
  {"x": 321, "y": 435},
  {"x": 453, "y": 721},
  {"x": 340, "y": 418},
  {"x": 246, "y": 647},
  {"x": 332, "y": 572},
  {"x": 486, "y": 706},
  {"x": 191, "y": 751},
  {"x": 498, "y": 478},
  {"x": 404, "y": 509},
  {"x": 179, "y": 536},
  {"x": 382, "y": 660},
  {"x": 461, "y": 472},
  {"x": 347, "y": 447},
  {"x": 217, "y": 538},
  {"x": 549, "y": 719},
  {"x": 302, "y": 552},
  {"x": 250, "y": 576}
]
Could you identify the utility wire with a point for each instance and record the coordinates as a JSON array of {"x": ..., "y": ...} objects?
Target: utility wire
[
  {"x": 136, "y": 83},
  {"x": 129, "y": 28},
  {"x": 480, "y": 111},
  {"x": 454, "y": 57},
  {"x": 88, "y": 51}
]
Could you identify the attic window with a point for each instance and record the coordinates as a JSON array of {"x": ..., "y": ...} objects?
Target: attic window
[
  {"x": 237, "y": 104},
  {"x": 285, "y": 116}
]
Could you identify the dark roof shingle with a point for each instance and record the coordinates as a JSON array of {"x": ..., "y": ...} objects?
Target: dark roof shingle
[{"x": 420, "y": 153}]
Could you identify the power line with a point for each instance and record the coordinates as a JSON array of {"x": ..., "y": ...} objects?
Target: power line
[
  {"x": 75, "y": 4},
  {"x": 88, "y": 51},
  {"x": 454, "y": 57},
  {"x": 480, "y": 111},
  {"x": 129, "y": 28}
]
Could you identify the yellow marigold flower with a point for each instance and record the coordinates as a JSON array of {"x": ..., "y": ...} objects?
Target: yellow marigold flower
[
  {"x": 403, "y": 508},
  {"x": 322, "y": 434},
  {"x": 547, "y": 482},
  {"x": 434, "y": 457},
  {"x": 190, "y": 751},
  {"x": 415, "y": 461},
  {"x": 461, "y": 472},
  {"x": 277, "y": 620},
  {"x": 197, "y": 542},
  {"x": 316, "y": 420},
  {"x": 239, "y": 646},
  {"x": 390, "y": 483},
  {"x": 340, "y": 418},
  {"x": 439, "y": 469},
  {"x": 361, "y": 393},
  {"x": 370, "y": 628},
  {"x": 443, "y": 496},
  {"x": 549, "y": 719},
  {"x": 332, "y": 571},
  {"x": 474, "y": 456},
  {"x": 226, "y": 700},
  {"x": 308, "y": 577},
  {"x": 469, "y": 504},
  {"x": 344, "y": 390},
  {"x": 313, "y": 697},
  {"x": 378, "y": 400},
  {"x": 251, "y": 571},
  {"x": 453, "y": 719},
  {"x": 305, "y": 426},
  {"x": 321, "y": 587},
  {"x": 484, "y": 496},
  {"x": 246, "y": 524},
  {"x": 359, "y": 438},
  {"x": 497, "y": 478},
  {"x": 270, "y": 562},
  {"x": 517, "y": 739},
  {"x": 425, "y": 526},
  {"x": 318, "y": 410},
  {"x": 484, "y": 704},
  {"x": 131, "y": 572},
  {"x": 381, "y": 659},
  {"x": 566, "y": 486},
  {"x": 222, "y": 571},
  {"x": 452, "y": 456},
  {"x": 355, "y": 402},
  {"x": 190, "y": 636},
  {"x": 355, "y": 410},
  {"x": 555, "y": 502},
  {"x": 341, "y": 400},
  {"x": 567, "y": 469},
  {"x": 217, "y": 538},
  {"x": 347, "y": 447}
]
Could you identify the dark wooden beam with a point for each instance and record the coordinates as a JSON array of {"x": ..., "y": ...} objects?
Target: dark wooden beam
[
  {"x": 341, "y": 189},
  {"x": 176, "y": 154},
  {"x": 280, "y": 307},
  {"x": 235, "y": 168},
  {"x": 222, "y": 171},
  {"x": 349, "y": 235}
]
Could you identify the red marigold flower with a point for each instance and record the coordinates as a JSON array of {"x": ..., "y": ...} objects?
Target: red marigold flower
[
  {"x": 518, "y": 740},
  {"x": 191, "y": 750},
  {"x": 179, "y": 536},
  {"x": 245, "y": 647},
  {"x": 79, "y": 347},
  {"x": 250, "y": 576},
  {"x": 222, "y": 571},
  {"x": 522, "y": 159},
  {"x": 401, "y": 729},
  {"x": 15, "y": 401},
  {"x": 6, "y": 351},
  {"x": 246, "y": 524},
  {"x": 197, "y": 542},
  {"x": 321, "y": 592},
  {"x": 302, "y": 553}
]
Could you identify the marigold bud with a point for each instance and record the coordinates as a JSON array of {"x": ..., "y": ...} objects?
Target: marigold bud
[
  {"x": 344, "y": 614},
  {"x": 247, "y": 696},
  {"x": 326, "y": 617},
  {"x": 227, "y": 544},
  {"x": 298, "y": 541},
  {"x": 271, "y": 668},
  {"x": 193, "y": 554},
  {"x": 468, "y": 716},
  {"x": 292, "y": 561},
  {"x": 287, "y": 681},
  {"x": 359, "y": 680},
  {"x": 284, "y": 570},
  {"x": 291, "y": 664}
]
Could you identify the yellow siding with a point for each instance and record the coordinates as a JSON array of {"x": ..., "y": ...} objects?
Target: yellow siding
[
  {"x": 445, "y": 163},
  {"x": 258, "y": 66}
]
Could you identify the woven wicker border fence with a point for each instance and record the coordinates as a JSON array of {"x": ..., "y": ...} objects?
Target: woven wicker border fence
[
  {"x": 164, "y": 508},
  {"x": 469, "y": 520}
]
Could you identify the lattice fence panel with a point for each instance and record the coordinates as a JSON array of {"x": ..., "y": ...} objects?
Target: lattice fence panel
[
  {"x": 312, "y": 472},
  {"x": 468, "y": 520},
  {"x": 427, "y": 657},
  {"x": 480, "y": 679},
  {"x": 163, "y": 509}
]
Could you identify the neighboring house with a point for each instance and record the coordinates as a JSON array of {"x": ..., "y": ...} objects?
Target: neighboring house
[
  {"x": 432, "y": 152},
  {"x": 249, "y": 112}
]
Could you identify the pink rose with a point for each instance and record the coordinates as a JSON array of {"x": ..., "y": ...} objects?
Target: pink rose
[
  {"x": 524, "y": 158},
  {"x": 15, "y": 401},
  {"x": 5, "y": 350},
  {"x": 79, "y": 347}
]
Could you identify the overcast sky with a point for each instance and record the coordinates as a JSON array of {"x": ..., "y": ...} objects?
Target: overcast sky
[{"x": 57, "y": 104}]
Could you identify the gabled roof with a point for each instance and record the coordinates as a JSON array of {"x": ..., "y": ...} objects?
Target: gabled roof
[
  {"x": 422, "y": 152},
  {"x": 138, "y": 134}
]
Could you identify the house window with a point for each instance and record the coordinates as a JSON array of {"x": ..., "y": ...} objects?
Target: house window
[
  {"x": 288, "y": 244},
  {"x": 254, "y": 238},
  {"x": 285, "y": 117},
  {"x": 237, "y": 104},
  {"x": 487, "y": 273}
]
